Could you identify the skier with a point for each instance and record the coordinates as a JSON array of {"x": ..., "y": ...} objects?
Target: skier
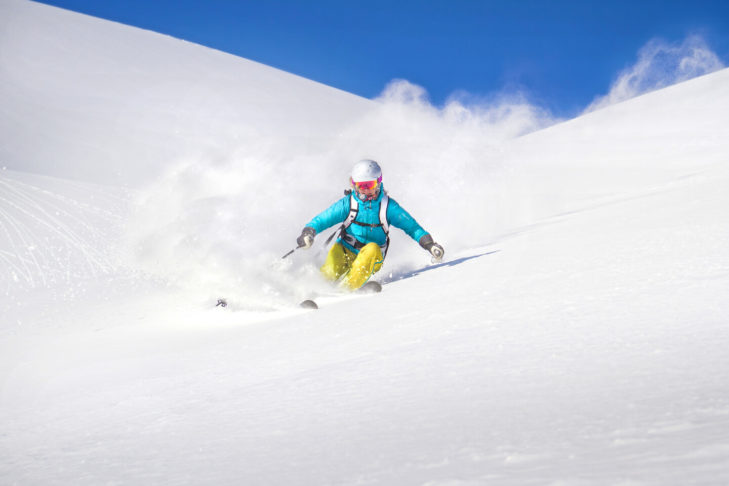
[{"x": 366, "y": 213}]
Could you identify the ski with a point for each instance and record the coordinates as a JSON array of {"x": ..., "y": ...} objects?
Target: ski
[
  {"x": 309, "y": 304},
  {"x": 371, "y": 288},
  {"x": 368, "y": 288}
]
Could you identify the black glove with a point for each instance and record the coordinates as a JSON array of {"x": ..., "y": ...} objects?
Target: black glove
[
  {"x": 426, "y": 241},
  {"x": 307, "y": 237}
]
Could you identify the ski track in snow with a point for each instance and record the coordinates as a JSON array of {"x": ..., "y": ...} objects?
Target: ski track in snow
[{"x": 49, "y": 239}]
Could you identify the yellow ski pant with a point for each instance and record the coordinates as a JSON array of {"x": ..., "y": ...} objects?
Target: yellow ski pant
[{"x": 353, "y": 268}]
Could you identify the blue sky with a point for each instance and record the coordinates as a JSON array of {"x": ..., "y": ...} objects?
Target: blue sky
[{"x": 561, "y": 54}]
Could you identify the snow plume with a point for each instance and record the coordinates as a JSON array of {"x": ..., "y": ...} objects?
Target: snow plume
[
  {"x": 497, "y": 118},
  {"x": 661, "y": 64},
  {"x": 222, "y": 219},
  {"x": 219, "y": 222},
  {"x": 449, "y": 165}
]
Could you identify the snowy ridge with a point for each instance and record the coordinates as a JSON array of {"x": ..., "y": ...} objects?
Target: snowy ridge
[
  {"x": 576, "y": 334},
  {"x": 114, "y": 104}
]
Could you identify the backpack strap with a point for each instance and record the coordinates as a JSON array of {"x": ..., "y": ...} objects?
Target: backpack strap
[
  {"x": 385, "y": 225},
  {"x": 353, "y": 210},
  {"x": 383, "y": 213}
]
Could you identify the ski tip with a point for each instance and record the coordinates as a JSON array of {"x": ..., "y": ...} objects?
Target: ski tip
[
  {"x": 371, "y": 287},
  {"x": 309, "y": 304}
]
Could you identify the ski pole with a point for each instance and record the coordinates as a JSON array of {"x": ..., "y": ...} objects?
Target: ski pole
[{"x": 289, "y": 253}]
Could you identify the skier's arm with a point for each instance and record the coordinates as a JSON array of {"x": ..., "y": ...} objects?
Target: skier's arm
[
  {"x": 400, "y": 218},
  {"x": 336, "y": 213}
]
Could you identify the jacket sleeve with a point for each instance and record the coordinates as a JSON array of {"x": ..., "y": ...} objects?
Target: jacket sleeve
[
  {"x": 400, "y": 218},
  {"x": 336, "y": 213}
]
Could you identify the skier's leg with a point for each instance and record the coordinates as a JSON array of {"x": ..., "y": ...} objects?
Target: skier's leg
[
  {"x": 337, "y": 263},
  {"x": 367, "y": 263}
]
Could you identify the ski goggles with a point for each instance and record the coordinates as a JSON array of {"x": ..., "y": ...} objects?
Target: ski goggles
[{"x": 367, "y": 185}]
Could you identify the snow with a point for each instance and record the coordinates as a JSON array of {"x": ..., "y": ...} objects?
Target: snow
[{"x": 575, "y": 335}]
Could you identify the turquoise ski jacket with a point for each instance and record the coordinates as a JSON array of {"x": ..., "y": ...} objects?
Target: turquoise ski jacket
[{"x": 369, "y": 213}]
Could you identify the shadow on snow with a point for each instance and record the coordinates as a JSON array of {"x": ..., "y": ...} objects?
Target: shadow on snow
[{"x": 452, "y": 263}]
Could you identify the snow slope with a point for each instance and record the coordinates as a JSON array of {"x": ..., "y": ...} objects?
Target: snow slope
[
  {"x": 94, "y": 100},
  {"x": 576, "y": 335}
]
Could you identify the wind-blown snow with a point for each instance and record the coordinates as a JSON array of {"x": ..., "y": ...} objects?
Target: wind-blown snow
[
  {"x": 661, "y": 64},
  {"x": 576, "y": 333}
]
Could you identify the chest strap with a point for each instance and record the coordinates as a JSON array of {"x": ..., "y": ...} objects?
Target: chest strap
[{"x": 353, "y": 211}]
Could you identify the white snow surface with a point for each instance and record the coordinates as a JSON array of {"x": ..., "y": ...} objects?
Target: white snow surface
[{"x": 576, "y": 334}]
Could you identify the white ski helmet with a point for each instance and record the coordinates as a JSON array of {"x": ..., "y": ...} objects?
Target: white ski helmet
[{"x": 366, "y": 170}]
